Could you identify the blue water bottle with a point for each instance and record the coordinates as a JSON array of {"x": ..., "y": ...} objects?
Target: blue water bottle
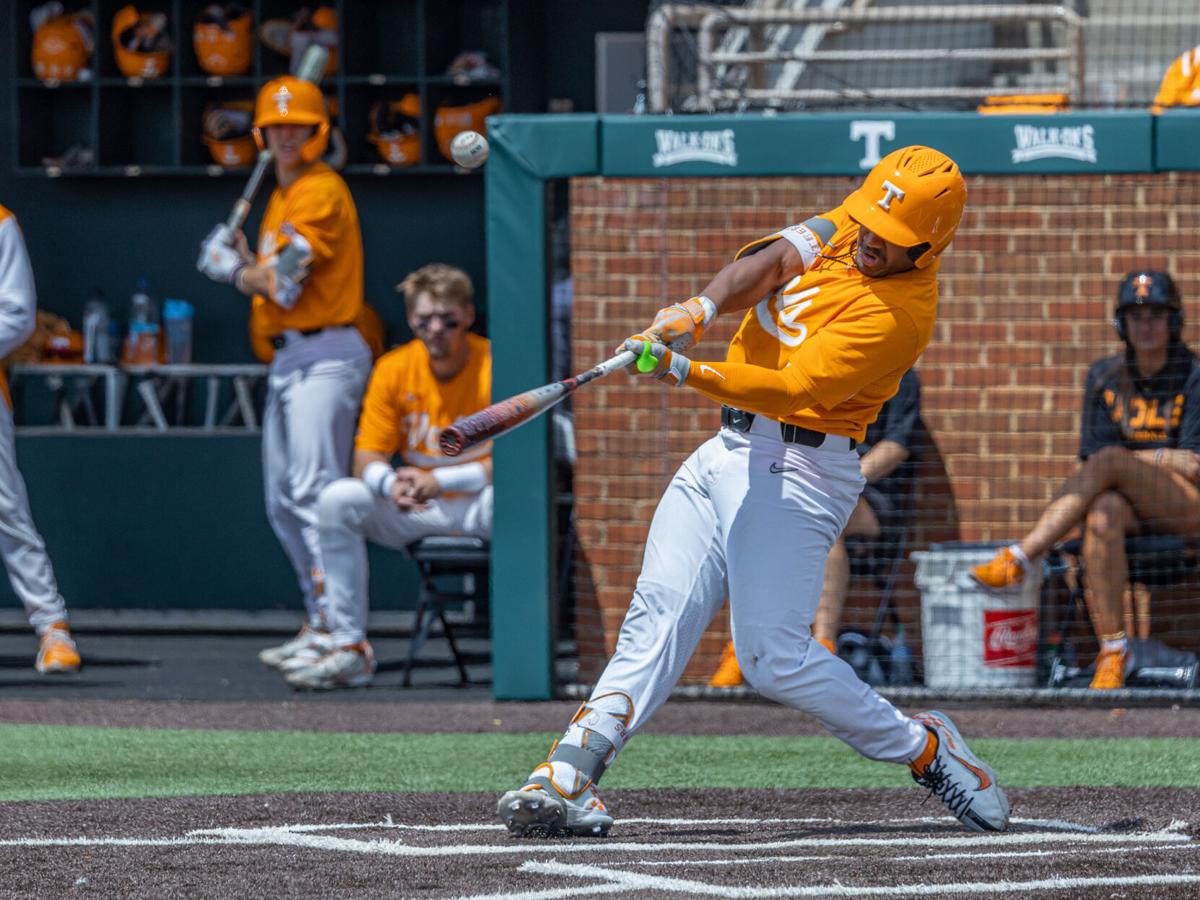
[{"x": 901, "y": 673}]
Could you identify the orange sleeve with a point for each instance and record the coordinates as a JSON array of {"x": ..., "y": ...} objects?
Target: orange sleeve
[
  {"x": 380, "y": 424},
  {"x": 860, "y": 346},
  {"x": 316, "y": 215},
  {"x": 773, "y": 392}
]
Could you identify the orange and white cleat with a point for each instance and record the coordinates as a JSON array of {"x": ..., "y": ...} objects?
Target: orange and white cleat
[
  {"x": 542, "y": 809},
  {"x": 729, "y": 673},
  {"x": 1110, "y": 670},
  {"x": 57, "y": 652},
  {"x": 960, "y": 779},
  {"x": 1003, "y": 572}
]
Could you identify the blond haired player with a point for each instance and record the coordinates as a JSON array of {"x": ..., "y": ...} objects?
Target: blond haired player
[
  {"x": 837, "y": 310},
  {"x": 21, "y": 546},
  {"x": 416, "y": 390},
  {"x": 306, "y": 282}
]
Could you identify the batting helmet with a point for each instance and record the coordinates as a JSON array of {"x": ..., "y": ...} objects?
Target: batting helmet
[
  {"x": 141, "y": 44},
  {"x": 224, "y": 39},
  {"x": 288, "y": 100},
  {"x": 62, "y": 46},
  {"x": 913, "y": 198},
  {"x": 396, "y": 130},
  {"x": 1148, "y": 288}
]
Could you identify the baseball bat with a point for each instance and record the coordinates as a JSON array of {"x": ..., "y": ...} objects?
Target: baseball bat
[
  {"x": 311, "y": 68},
  {"x": 502, "y": 417}
]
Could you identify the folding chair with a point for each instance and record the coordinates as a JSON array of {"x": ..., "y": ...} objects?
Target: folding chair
[{"x": 443, "y": 557}]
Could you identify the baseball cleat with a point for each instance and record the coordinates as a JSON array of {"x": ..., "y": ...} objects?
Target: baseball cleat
[
  {"x": 1003, "y": 572},
  {"x": 535, "y": 812},
  {"x": 345, "y": 667},
  {"x": 957, "y": 777},
  {"x": 305, "y": 638},
  {"x": 57, "y": 652},
  {"x": 1110, "y": 671}
]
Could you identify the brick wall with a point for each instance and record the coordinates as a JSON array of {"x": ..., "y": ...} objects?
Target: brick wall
[{"x": 1027, "y": 291}]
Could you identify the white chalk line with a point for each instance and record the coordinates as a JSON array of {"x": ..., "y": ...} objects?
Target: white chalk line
[{"x": 644, "y": 882}]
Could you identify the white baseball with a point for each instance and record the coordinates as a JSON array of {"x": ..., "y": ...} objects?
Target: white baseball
[{"x": 469, "y": 149}]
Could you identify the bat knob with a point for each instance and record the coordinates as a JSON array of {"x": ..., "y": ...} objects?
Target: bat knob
[{"x": 647, "y": 361}]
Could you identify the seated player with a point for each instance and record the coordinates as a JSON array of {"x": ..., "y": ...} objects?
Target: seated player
[
  {"x": 415, "y": 391},
  {"x": 21, "y": 546},
  {"x": 1141, "y": 434},
  {"x": 1180, "y": 85},
  {"x": 888, "y": 465}
]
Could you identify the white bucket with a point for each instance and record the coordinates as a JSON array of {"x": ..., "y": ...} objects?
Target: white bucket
[{"x": 975, "y": 638}]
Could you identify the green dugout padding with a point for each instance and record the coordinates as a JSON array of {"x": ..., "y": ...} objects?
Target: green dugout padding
[
  {"x": 165, "y": 522},
  {"x": 529, "y": 150}
]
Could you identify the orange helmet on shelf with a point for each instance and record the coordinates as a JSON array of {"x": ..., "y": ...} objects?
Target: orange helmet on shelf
[
  {"x": 452, "y": 118},
  {"x": 288, "y": 100},
  {"x": 227, "y": 133},
  {"x": 913, "y": 198},
  {"x": 224, "y": 39},
  {"x": 396, "y": 130},
  {"x": 62, "y": 43},
  {"x": 141, "y": 44},
  {"x": 308, "y": 25}
]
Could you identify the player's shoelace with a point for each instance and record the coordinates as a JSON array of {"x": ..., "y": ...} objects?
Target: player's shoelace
[{"x": 938, "y": 782}]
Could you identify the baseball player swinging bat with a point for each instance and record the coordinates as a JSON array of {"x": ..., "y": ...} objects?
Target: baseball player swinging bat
[
  {"x": 312, "y": 67},
  {"x": 502, "y": 417}
]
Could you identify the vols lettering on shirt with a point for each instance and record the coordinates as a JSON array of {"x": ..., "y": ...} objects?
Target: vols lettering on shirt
[
  {"x": 1141, "y": 412},
  {"x": 319, "y": 208},
  {"x": 406, "y": 407},
  {"x": 849, "y": 337}
]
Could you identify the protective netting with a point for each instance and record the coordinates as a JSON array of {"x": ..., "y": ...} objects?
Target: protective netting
[
  {"x": 900, "y": 54},
  {"x": 1028, "y": 296}
]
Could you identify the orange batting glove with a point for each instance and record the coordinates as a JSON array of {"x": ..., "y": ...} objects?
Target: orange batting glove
[
  {"x": 670, "y": 368},
  {"x": 681, "y": 325}
]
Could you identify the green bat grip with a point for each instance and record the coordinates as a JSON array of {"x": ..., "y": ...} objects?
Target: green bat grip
[{"x": 647, "y": 361}]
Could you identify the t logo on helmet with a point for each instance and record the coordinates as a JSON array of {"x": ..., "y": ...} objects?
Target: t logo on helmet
[
  {"x": 1142, "y": 286},
  {"x": 891, "y": 192},
  {"x": 282, "y": 98}
]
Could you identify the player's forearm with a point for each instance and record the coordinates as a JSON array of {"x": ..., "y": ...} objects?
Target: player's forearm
[
  {"x": 774, "y": 392},
  {"x": 253, "y": 280},
  {"x": 363, "y": 458},
  {"x": 882, "y": 460}
]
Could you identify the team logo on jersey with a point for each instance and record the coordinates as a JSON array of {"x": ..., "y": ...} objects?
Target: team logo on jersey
[
  {"x": 1076, "y": 142},
  {"x": 779, "y": 314},
  {"x": 674, "y": 147}
]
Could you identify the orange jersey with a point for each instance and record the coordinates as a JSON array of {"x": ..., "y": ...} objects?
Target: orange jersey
[
  {"x": 319, "y": 208},
  {"x": 847, "y": 338},
  {"x": 1181, "y": 83},
  {"x": 406, "y": 407}
]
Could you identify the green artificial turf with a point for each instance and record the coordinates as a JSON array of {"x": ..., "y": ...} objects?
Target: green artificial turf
[{"x": 63, "y": 762}]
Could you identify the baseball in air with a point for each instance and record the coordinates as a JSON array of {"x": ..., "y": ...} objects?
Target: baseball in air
[{"x": 469, "y": 149}]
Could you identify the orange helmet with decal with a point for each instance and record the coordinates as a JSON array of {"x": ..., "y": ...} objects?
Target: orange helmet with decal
[
  {"x": 289, "y": 100},
  {"x": 395, "y": 130},
  {"x": 227, "y": 133},
  {"x": 62, "y": 46},
  {"x": 141, "y": 45},
  {"x": 224, "y": 39},
  {"x": 913, "y": 198}
]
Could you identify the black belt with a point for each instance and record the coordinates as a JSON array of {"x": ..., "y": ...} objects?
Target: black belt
[
  {"x": 279, "y": 341},
  {"x": 739, "y": 420}
]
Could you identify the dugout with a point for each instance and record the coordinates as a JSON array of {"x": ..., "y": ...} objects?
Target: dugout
[{"x": 1060, "y": 207}]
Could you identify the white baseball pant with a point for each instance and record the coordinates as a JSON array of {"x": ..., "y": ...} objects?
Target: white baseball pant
[
  {"x": 21, "y": 546},
  {"x": 351, "y": 514},
  {"x": 315, "y": 388},
  {"x": 752, "y": 518}
]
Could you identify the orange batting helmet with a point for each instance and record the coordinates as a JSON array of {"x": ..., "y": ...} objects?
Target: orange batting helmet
[
  {"x": 62, "y": 46},
  {"x": 913, "y": 198},
  {"x": 289, "y": 100}
]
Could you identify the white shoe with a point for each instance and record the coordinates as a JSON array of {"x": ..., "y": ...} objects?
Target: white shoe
[
  {"x": 540, "y": 810},
  {"x": 306, "y": 637},
  {"x": 960, "y": 779},
  {"x": 345, "y": 667}
]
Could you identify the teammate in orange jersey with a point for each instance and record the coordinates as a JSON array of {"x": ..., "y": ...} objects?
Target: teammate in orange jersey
[
  {"x": 21, "y": 546},
  {"x": 838, "y": 308},
  {"x": 1140, "y": 450},
  {"x": 415, "y": 392},
  {"x": 1180, "y": 84},
  {"x": 306, "y": 282}
]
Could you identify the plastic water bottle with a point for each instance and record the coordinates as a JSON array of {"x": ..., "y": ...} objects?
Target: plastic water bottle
[
  {"x": 97, "y": 346},
  {"x": 177, "y": 322},
  {"x": 142, "y": 341},
  {"x": 901, "y": 660}
]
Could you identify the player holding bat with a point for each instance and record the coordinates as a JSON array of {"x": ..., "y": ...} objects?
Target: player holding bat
[
  {"x": 306, "y": 285},
  {"x": 837, "y": 309}
]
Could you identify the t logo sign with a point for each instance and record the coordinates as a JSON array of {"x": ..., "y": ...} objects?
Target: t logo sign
[{"x": 891, "y": 192}]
